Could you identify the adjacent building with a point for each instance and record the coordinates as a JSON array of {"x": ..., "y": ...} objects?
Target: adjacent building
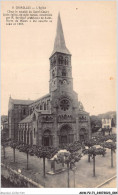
[{"x": 107, "y": 123}]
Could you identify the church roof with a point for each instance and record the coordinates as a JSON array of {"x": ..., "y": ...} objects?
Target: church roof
[
  {"x": 22, "y": 102},
  {"x": 82, "y": 112},
  {"x": 41, "y": 98},
  {"x": 27, "y": 119},
  {"x": 59, "y": 44}
]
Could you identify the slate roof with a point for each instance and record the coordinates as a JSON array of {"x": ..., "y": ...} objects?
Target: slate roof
[
  {"x": 28, "y": 119},
  {"x": 82, "y": 112},
  {"x": 22, "y": 102},
  {"x": 47, "y": 95},
  {"x": 59, "y": 44}
]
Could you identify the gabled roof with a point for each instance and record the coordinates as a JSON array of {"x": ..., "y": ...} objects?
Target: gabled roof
[{"x": 59, "y": 44}]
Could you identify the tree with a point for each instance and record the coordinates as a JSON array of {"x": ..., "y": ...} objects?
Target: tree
[
  {"x": 13, "y": 145},
  {"x": 93, "y": 151},
  {"x": 112, "y": 147},
  {"x": 95, "y": 121},
  {"x": 89, "y": 144},
  {"x": 64, "y": 156},
  {"x": 28, "y": 150},
  {"x": 72, "y": 147},
  {"x": 45, "y": 152},
  {"x": 111, "y": 137},
  {"x": 101, "y": 140}
]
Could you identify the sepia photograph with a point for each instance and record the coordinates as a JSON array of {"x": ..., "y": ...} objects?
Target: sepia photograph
[{"x": 58, "y": 94}]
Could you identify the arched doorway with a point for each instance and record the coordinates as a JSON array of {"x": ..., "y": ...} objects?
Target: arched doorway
[
  {"x": 66, "y": 135},
  {"x": 47, "y": 138},
  {"x": 83, "y": 134}
]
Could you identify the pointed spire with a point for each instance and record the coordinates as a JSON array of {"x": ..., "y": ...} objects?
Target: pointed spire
[{"x": 59, "y": 44}]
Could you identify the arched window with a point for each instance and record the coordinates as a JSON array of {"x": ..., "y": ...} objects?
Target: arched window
[
  {"x": 63, "y": 72},
  {"x": 40, "y": 107},
  {"x": 66, "y": 61},
  {"x": 48, "y": 103},
  {"x": 53, "y": 74},
  {"x": 24, "y": 111},
  {"x": 44, "y": 106},
  {"x": 60, "y": 60},
  {"x": 54, "y": 61},
  {"x": 47, "y": 138}
]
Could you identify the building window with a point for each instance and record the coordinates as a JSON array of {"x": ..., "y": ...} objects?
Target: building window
[
  {"x": 54, "y": 61},
  {"x": 24, "y": 111},
  {"x": 53, "y": 74},
  {"x": 66, "y": 61},
  {"x": 64, "y": 104},
  {"x": 63, "y": 72},
  {"x": 60, "y": 60},
  {"x": 44, "y": 106},
  {"x": 48, "y": 102}
]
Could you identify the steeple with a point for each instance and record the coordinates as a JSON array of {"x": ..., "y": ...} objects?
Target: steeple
[{"x": 59, "y": 44}]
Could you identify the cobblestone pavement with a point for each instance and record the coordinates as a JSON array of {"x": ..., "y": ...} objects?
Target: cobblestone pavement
[{"x": 83, "y": 173}]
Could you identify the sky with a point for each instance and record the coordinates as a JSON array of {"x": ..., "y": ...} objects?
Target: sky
[{"x": 90, "y": 34}]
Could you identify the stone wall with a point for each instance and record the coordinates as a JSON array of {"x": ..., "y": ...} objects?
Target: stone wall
[{"x": 17, "y": 179}]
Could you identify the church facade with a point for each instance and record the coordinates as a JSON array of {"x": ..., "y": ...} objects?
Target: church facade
[{"x": 57, "y": 117}]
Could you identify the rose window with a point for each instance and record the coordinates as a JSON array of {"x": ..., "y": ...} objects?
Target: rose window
[{"x": 64, "y": 104}]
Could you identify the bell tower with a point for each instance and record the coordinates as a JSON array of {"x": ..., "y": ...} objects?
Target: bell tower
[{"x": 60, "y": 64}]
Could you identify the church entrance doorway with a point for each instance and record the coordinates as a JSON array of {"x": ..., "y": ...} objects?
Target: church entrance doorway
[
  {"x": 64, "y": 139},
  {"x": 46, "y": 141},
  {"x": 66, "y": 135},
  {"x": 47, "y": 138},
  {"x": 83, "y": 134}
]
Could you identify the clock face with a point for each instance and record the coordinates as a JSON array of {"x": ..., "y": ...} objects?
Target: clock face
[{"x": 64, "y": 104}]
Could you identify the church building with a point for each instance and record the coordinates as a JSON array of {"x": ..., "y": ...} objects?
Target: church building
[{"x": 58, "y": 117}]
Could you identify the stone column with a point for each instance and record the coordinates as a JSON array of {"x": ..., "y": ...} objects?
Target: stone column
[
  {"x": 26, "y": 136},
  {"x": 29, "y": 137},
  {"x": 23, "y": 136}
]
